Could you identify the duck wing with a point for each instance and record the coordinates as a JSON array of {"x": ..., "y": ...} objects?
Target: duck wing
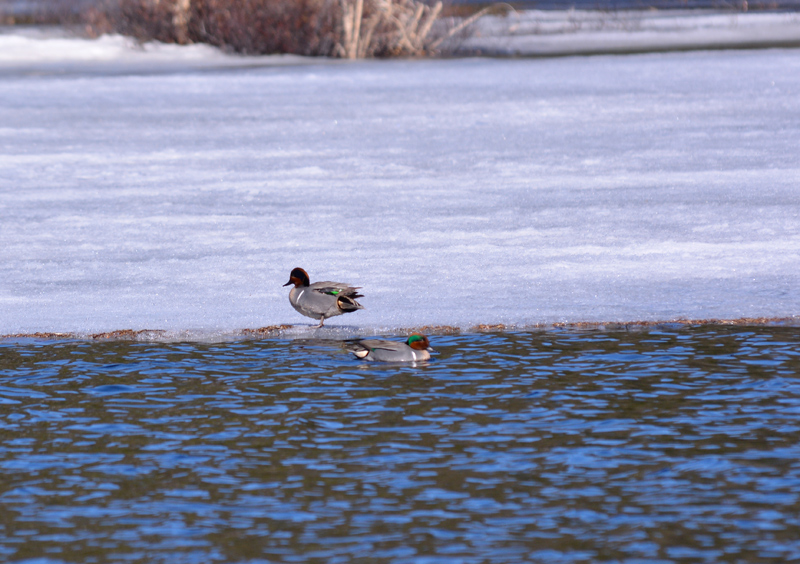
[
  {"x": 336, "y": 289},
  {"x": 345, "y": 295},
  {"x": 367, "y": 347},
  {"x": 380, "y": 344}
]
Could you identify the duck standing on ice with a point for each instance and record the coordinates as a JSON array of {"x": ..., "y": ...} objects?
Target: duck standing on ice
[
  {"x": 321, "y": 300},
  {"x": 416, "y": 347}
]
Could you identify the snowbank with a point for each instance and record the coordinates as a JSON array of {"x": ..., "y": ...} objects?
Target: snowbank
[
  {"x": 53, "y": 50},
  {"x": 578, "y": 32}
]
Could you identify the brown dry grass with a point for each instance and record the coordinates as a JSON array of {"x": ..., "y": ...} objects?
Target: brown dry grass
[
  {"x": 40, "y": 335},
  {"x": 437, "y": 330},
  {"x": 332, "y": 28},
  {"x": 129, "y": 335},
  {"x": 268, "y": 331}
]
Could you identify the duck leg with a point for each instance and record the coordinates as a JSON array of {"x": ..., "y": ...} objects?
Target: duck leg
[{"x": 321, "y": 321}]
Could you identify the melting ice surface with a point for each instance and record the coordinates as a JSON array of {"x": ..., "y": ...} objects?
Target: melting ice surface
[{"x": 608, "y": 188}]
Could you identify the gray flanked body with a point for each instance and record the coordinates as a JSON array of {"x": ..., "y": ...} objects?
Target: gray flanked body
[
  {"x": 416, "y": 348},
  {"x": 321, "y": 300}
]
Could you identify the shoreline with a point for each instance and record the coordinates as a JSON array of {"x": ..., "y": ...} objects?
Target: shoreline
[
  {"x": 346, "y": 332},
  {"x": 564, "y": 33},
  {"x": 524, "y": 33}
]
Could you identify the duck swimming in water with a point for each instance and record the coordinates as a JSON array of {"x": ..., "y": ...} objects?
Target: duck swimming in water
[
  {"x": 321, "y": 300},
  {"x": 416, "y": 347}
]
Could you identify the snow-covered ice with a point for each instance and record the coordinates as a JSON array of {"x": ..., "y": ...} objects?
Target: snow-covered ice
[
  {"x": 606, "y": 188},
  {"x": 53, "y": 50}
]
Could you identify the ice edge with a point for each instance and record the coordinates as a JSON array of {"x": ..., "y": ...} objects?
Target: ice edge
[{"x": 344, "y": 332}]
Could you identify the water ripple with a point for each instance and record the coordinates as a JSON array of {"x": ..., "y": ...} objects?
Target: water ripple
[{"x": 654, "y": 446}]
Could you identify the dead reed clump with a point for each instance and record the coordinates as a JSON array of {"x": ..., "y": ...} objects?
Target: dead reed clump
[
  {"x": 250, "y": 27},
  {"x": 385, "y": 28},
  {"x": 349, "y": 29}
]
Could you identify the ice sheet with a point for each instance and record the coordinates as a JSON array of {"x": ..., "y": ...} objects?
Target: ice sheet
[{"x": 607, "y": 188}]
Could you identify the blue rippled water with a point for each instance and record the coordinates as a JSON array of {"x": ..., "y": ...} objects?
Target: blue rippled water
[{"x": 662, "y": 445}]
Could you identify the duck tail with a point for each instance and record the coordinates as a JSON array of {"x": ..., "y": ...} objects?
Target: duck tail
[
  {"x": 348, "y": 303},
  {"x": 359, "y": 350}
]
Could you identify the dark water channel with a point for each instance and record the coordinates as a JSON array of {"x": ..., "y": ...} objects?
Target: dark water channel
[{"x": 667, "y": 445}]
